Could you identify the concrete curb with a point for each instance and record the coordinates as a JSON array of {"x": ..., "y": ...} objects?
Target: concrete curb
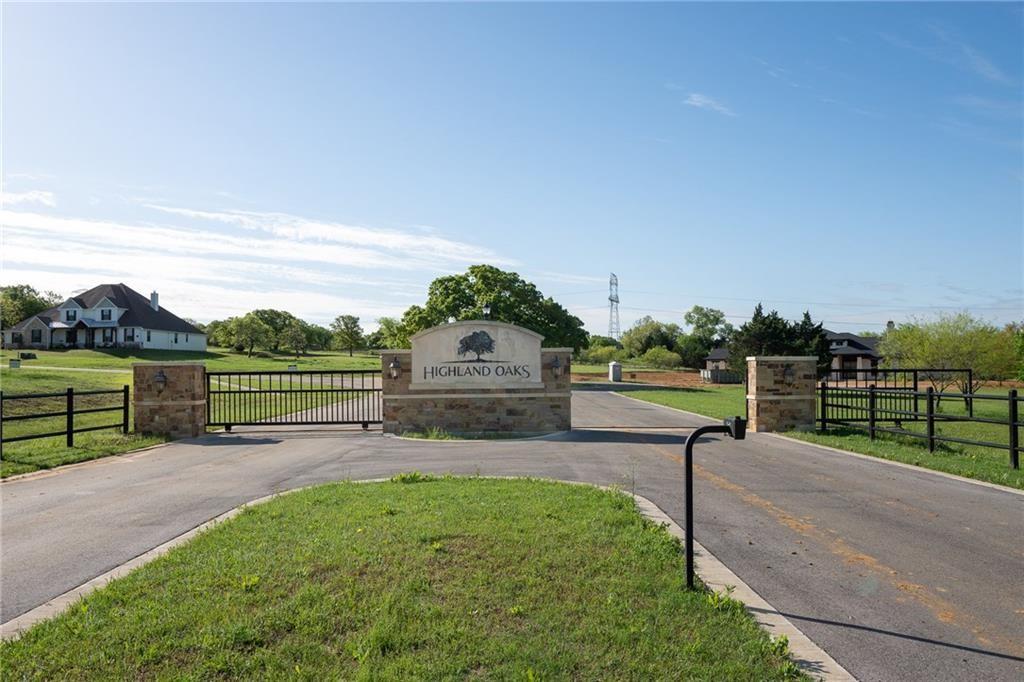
[
  {"x": 811, "y": 658},
  {"x": 53, "y": 471},
  {"x": 849, "y": 453}
]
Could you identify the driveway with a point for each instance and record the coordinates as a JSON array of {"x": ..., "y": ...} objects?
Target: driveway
[{"x": 897, "y": 573}]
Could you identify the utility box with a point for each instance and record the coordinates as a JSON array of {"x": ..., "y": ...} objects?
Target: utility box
[
  {"x": 14, "y": 363},
  {"x": 614, "y": 371}
]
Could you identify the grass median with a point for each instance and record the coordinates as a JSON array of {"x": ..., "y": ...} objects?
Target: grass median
[{"x": 416, "y": 578}]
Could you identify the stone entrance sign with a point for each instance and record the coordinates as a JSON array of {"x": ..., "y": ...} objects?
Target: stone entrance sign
[
  {"x": 476, "y": 354},
  {"x": 476, "y": 377}
]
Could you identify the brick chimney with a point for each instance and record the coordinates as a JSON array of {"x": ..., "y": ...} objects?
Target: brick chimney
[{"x": 154, "y": 301}]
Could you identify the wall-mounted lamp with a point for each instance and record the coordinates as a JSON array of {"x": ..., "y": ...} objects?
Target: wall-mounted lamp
[
  {"x": 160, "y": 380},
  {"x": 556, "y": 367},
  {"x": 788, "y": 374},
  {"x": 395, "y": 368},
  {"x": 487, "y": 311}
]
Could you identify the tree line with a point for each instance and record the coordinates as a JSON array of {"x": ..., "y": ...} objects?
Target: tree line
[
  {"x": 948, "y": 341},
  {"x": 279, "y": 330}
]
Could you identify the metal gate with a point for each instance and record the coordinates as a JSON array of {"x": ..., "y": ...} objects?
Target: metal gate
[{"x": 293, "y": 397}]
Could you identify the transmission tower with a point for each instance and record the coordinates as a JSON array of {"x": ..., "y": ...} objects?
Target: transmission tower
[{"x": 613, "y": 307}]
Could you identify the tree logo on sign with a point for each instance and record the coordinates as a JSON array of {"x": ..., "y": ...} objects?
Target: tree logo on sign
[{"x": 478, "y": 343}]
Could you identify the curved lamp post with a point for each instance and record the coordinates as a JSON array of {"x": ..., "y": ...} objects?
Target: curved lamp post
[{"x": 735, "y": 427}]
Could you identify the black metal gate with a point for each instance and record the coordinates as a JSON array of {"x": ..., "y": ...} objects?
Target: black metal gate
[{"x": 293, "y": 397}]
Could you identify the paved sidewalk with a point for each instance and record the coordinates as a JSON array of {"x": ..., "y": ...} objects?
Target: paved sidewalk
[{"x": 897, "y": 573}]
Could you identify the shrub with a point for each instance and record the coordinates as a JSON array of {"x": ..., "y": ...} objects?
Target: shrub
[
  {"x": 661, "y": 357},
  {"x": 602, "y": 355}
]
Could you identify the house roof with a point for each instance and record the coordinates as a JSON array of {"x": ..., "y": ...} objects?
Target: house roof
[
  {"x": 138, "y": 312},
  {"x": 718, "y": 354},
  {"x": 853, "y": 351}
]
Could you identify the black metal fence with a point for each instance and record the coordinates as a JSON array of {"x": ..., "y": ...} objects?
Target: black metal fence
[
  {"x": 17, "y": 409},
  {"x": 293, "y": 397},
  {"x": 910, "y": 378},
  {"x": 886, "y": 410}
]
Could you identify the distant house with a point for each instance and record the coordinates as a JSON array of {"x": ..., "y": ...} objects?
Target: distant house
[
  {"x": 716, "y": 368},
  {"x": 107, "y": 316},
  {"x": 853, "y": 356}
]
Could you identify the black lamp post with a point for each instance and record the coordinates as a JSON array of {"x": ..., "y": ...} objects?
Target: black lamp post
[{"x": 735, "y": 427}]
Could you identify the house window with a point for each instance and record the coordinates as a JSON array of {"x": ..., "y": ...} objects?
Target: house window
[
  {"x": 16, "y": 337},
  {"x": 72, "y": 315},
  {"x": 149, "y": 336},
  {"x": 186, "y": 338},
  {"x": 129, "y": 334},
  {"x": 37, "y": 336},
  {"x": 175, "y": 337},
  {"x": 108, "y": 335},
  {"x": 105, "y": 314}
]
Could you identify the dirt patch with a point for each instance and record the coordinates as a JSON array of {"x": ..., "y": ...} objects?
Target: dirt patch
[{"x": 680, "y": 378}]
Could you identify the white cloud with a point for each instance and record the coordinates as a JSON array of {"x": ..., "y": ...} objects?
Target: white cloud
[
  {"x": 305, "y": 230},
  {"x": 700, "y": 101},
  {"x": 31, "y": 197},
  {"x": 952, "y": 50},
  {"x": 216, "y": 264}
]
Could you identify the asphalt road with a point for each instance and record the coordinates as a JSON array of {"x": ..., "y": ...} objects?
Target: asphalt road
[{"x": 899, "y": 574}]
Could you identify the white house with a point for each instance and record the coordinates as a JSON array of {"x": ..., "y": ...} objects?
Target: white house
[{"x": 107, "y": 316}]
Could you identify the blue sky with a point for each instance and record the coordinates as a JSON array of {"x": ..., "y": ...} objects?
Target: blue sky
[{"x": 863, "y": 161}]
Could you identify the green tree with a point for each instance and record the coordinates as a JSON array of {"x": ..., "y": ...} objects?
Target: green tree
[
  {"x": 770, "y": 334},
  {"x": 294, "y": 336},
  {"x": 348, "y": 335},
  {"x": 278, "y": 321},
  {"x": 20, "y": 301},
  {"x": 389, "y": 334},
  {"x": 708, "y": 330},
  {"x": 1018, "y": 336},
  {"x": 597, "y": 341},
  {"x": 952, "y": 341},
  {"x": 318, "y": 337},
  {"x": 661, "y": 357},
  {"x": 646, "y": 333},
  {"x": 250, "y": 331},
  {"x": 511, "y": 298}
]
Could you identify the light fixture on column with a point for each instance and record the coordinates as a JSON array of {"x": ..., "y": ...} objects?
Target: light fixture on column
[
  {"x": 160, "y": 379},
  {"x": 395, "y": 368}
]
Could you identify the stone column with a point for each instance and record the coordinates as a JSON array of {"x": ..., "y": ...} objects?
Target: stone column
[
  {"x": 170, "y": 399},
  {"x": 781, "y": 392}
]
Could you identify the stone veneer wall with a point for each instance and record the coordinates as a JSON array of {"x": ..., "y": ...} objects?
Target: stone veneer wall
[
  {"x": 179, "y": 410},
  {"x": 544, "y": 409},
  {"x": 778, "y": 400}
]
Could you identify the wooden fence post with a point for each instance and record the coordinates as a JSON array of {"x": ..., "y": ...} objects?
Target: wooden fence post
[
  {"x": 1014, "y": 443},
  {"x": 824, "y": 406},
  {"x": 70, "y": 418},
  {"x": 930, "y": 415},
  {"x": 871, "y": 411},
  {"x": 124, "y": 413}
]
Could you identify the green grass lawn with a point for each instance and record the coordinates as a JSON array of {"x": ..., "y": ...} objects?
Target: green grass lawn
[
  {"x": 216, "y": 359},
  {"x": 44, "y": 453},
  {"x": 26, "y": 456},
  {"x": 982, "y": 463},
  {"x": 417, "y": 578}
]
